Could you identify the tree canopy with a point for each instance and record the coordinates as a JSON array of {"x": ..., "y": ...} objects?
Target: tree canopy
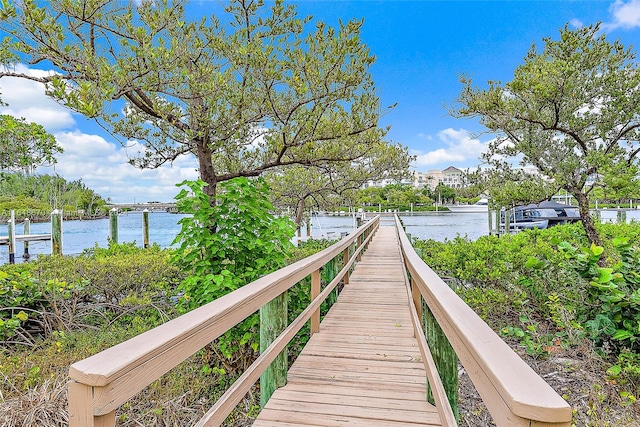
[
  {"x": 24, "y": 146},
  {"x": 324, "y": 186},
  {"x": 571, "y": 110},
  {"x": 248, "y": 91}
]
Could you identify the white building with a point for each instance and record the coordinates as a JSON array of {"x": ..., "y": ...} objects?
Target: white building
[{"x": 451, "y": 177}]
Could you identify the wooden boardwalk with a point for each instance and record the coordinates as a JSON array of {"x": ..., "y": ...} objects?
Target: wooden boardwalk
[{"x": 364, "y": 367}]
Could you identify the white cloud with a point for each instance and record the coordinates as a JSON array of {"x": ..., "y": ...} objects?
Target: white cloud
[
  {"x": 458, "y": 148},
  {"x": 103, "y": 167},
  {"x": 624, "y": 14},
  {"x": 576, "y": 23},
  {"x": 26, "y": 98},
  {"x": 101, "y": 163}
]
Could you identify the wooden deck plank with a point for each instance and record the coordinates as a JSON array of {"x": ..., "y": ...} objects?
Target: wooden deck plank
[{"x": 364, "y": 367}]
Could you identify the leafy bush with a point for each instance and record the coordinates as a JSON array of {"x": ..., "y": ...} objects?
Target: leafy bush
[
  {"x": 612, "y": 306},
  {"x": 225, "y": 246},
  {"x": 56, "y": 293},
  {"x": 539, "y": 288}
]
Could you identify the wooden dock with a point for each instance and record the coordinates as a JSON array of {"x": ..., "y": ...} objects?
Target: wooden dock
[
  {"x": 366, "y": 364},
  {"x": 4, "y": 240},
  {"x": 364, "y": 367}
]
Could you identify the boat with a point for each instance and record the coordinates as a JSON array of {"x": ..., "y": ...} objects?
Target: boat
[
  {"x": 481, "y": 205},
  {"x": 541, "y": 216},
  {"x": 565, "y": 213}
]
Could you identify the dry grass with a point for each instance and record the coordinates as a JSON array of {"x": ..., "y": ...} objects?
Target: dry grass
[
  {"x": 43, "y": 405},
  {"x": 579, "y": 376}
]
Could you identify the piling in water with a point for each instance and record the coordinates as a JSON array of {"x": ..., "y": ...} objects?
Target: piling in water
[
  {"x": 11, "y": 226},
  {"x": 113, "y": 225},
  {"x": 27, "y": 231},
  {"x": 145, "y": 227},
  {"x": 56, "y": 232}
]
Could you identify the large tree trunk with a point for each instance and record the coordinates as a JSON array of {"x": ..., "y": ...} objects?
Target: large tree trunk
[
  {"x": 207, "y": 172},
  {"x": 299, "y": 213},
  {"x": 585, "y": 216}
]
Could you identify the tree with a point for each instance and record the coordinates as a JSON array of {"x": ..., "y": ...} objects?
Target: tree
[
  {"x": 247, "y": 92},
  {"x": 321, "y": 186},
  {"x": 443, "y": 193},
  {"x": 572, "y": 111},
  {"x": 23, "y": 145}
]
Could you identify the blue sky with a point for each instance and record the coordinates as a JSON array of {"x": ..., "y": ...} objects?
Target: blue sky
[{"x": 421, "y": 47}]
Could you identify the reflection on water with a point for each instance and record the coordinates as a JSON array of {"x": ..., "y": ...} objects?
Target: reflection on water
[{"x": 447, "y": 225}]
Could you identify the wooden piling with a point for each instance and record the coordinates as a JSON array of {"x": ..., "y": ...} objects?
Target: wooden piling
[
  {"x": 507, "y": 221},
  {"x": 145, "y": 228},
  {"x": 621, "y": 217},
  {"x": 113, "y": 225},
  {"x": 56, "y": 232},
  {"x": 273, "y": 320},
  {"x": 26, "y": 232},
  {"x": 11, "y": 227}
]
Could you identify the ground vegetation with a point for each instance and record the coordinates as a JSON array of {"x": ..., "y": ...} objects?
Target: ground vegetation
[
  {"x": 57, "y": 310},
  {"x": 568, "y": 307},
  {"x": 35, "y": 196}
]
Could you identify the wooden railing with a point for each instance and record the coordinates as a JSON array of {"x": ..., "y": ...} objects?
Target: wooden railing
[
  {"x": 513, "y": 393},
  {"x": 103, "y": 382}
]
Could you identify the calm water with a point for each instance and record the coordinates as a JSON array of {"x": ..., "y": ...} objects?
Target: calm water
[{"x": 163, "y": 227}]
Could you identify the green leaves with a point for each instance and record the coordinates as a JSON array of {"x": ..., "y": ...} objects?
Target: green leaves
[
  {"x": 613, "y": 303},
  {"x": 571, "y": 112},
  {"x": 23, "y": 145},
  {"x": 225, "y": 245}
]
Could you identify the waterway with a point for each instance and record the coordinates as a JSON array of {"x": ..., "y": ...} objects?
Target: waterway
[{"x": 163, "y": 227}]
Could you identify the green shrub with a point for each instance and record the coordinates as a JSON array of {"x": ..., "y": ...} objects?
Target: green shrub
[
  {"x": 225, "y": 246},
  {"x": 612, "y": 303},
  {"x": 60, "y": 293},
  {"x": 561, "y": 291}
]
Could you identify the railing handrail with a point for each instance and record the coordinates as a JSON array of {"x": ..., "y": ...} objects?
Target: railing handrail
[
  {"x": 113, "y": 376},
  {"x": 514, "y": 394},
  {"x": 443, "y": 406}
]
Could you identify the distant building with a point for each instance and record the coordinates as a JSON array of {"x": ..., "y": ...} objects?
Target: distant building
[{"x": 451, "y": 177}]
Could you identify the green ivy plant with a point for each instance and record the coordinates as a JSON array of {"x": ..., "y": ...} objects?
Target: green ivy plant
[{"x": 226, "y": 245}]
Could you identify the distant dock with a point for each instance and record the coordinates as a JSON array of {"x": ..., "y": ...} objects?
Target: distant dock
[{"x": 4, "y": 240}]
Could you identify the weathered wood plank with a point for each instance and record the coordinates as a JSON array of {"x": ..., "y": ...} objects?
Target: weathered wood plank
[{"x": 363, "y": 367}]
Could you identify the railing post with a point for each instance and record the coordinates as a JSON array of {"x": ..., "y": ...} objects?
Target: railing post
[
  {"x": 273, "y": 320},
  {"x": 81, "y": 408},
  {"x": 445, "y": 359},
  {"x": 113, "y": 225},
  {"x": 11, "y": 228},
  {"x": 330, "y": 270},
  {"x": 315, "y": 291},
  {"x": 345, "y": 260},
  {"x": 357, "y": 246},
  {"x": 145, "y": 228},
  {"x": 56, "y": 232}
]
